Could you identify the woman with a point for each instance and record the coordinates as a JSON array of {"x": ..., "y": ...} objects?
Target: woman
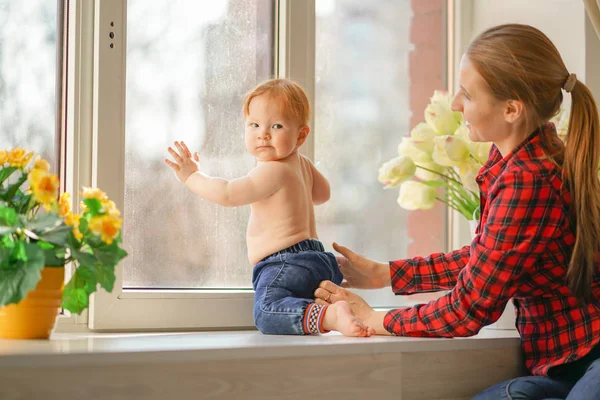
[{"x": 539, "y": 231}]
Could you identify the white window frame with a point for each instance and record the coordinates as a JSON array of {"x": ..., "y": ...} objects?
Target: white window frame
[
  {"x": 97, "y": 138},
  {"x": 96, "y": 124},
  {"x": 96, "y": 128}
]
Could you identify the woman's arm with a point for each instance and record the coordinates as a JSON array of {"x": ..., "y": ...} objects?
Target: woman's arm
[
  {"x": 525, "y": 215},
  {"x": 439, "y": 271}
]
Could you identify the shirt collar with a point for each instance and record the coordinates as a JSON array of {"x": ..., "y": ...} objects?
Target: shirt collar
[{"x": 530, "y": 149}]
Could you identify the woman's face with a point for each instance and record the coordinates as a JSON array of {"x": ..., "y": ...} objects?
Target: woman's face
[{"x": 483, "y": 113}]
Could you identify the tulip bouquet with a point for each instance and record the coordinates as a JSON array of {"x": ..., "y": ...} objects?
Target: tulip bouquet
[
  {"x": 439, "y": 154},
  {"x": 39, "y": 229}
]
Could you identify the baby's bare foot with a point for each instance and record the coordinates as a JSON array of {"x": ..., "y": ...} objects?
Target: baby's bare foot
[{"x": 339, "y": 318}]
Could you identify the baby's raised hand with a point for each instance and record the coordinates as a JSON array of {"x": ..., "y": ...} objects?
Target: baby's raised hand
[{"x": 184, "y": 165}]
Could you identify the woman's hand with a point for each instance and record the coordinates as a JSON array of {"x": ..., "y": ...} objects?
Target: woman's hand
[
  {"x": 329, "y": 293},
  {"x": 184, "y": 165},
  {"x": 361, "y": 273}
]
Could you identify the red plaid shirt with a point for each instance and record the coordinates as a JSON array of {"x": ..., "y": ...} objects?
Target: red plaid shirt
[{"x": 521, "y": 250}]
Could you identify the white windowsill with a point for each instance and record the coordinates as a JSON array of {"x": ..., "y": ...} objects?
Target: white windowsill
[
  {"x": 72, "y": 349},
  {"x": 251, "y": 366}
]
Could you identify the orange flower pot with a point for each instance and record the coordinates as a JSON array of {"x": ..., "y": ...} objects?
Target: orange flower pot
[{"x": 34, "y": 316}]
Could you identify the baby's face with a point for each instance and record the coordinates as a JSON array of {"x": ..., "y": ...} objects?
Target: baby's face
[{"x": 270, "y": 134}]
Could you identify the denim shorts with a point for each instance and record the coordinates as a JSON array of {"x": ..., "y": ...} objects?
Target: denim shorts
[{"x": 284, "y": 285}]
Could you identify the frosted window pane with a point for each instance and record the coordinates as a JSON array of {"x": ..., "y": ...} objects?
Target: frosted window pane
[
  {"x": 362, "y": 111},
  {"x": 28, "y": 76},
  {"x": 189, "y": 64}
]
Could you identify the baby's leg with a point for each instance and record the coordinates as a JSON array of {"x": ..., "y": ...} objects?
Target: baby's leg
[{"x": 339, "y": 317}]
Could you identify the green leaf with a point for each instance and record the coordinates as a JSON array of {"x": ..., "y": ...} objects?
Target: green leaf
[
  {"x": 8, "y": 193},
  {"x": 5, "y": 173},
  {"x": 83, "y": 225},
  {"x": 8, "y": 216},
  {"x": 19, "y": 252},
  {"x": 58, "y": 235},
  {"x": 78, "y": 289},
  {"x": 17, "y": 281},
  {"x": 6, "y": 230},
  {"x": 43, "y": 222},
  {"x": 105, "y": 275},
  {"x": 50, "y": 228},
  {"x": 53, "y": 257},
  {"x": 5, "y": 253},
  {"x": 75, "y": 299},
  {"x": 72, "y": 243},
  {"x": 94, "y": 206},
  {"x": 22, "y": 202},
  {"x": 433, "y": 183},
  {"x": 83, "y": 257}
]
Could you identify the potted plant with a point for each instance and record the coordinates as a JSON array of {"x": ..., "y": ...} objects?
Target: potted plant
[{"x": 39, "y": 235}]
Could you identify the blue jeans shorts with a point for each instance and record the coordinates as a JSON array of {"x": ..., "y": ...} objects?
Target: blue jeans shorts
[{"x": 284, "y": 285}]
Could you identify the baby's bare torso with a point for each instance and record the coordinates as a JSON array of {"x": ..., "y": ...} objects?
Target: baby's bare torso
[{"x": 286, "y": 217}]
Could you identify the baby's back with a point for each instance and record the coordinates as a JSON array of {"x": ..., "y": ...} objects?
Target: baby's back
[{"x": 286, "y": 217}]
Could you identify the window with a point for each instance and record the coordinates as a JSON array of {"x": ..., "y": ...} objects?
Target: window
[
  {"x": 187, "y": 67},
  {"x": 377, "y": 64},
  {"x": 29, "y": 76},
  {"x": 187, "y": 72}
]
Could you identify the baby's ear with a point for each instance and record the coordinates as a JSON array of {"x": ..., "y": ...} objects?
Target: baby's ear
[{"x": 302, "y": 135}]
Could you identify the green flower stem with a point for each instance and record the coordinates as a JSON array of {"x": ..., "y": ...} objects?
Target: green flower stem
[
  {"x": 455, "y": 207},
  {"x": 440, "y": 174}
]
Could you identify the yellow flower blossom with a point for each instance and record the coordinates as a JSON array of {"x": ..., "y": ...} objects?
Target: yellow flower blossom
[
  {"x": 44, "y": 187},
  {"x": 42, "y": 164},
  {"x": 18, "y": 157},
  {"x": 73, "y": 220},
  {"x": 78, "y": 235},
  {"x": 3, "y": 157},
  {"x": 92, "y": 193},
  {"x": 64, "y": 204},
  {"x": 110, "y": 208},
  {"x": 106, "y": 226}
]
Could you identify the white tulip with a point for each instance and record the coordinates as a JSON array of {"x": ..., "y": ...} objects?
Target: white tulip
[
  {"x": 415, "y": 195},
  {"x": 423, "y": 132},
  {"x": 417, "y": 150},
  {"x": 396, "y": 171},
  {"x": 439, "y": 115},
  {"x": 450, "y": 151}
]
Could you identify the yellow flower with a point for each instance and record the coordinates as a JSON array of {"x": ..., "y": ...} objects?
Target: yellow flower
[
  {"x": 18, "y": 157},
  {"x": 110, "y": 208},
  {"x": 73, "y": 220},
  {"x": 106, "y": 226},
  {"x": 64, "y": 204},
  {"x": 44, "y": 187},
  {"x": 3, "y": 157},
  {"x": 93, "y": 193},
  {"x": 42, "y": 164},
  {"x": 78, "y": 235}
]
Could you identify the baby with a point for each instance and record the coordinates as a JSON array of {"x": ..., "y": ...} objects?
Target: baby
[{"x": 282, "y": 238}]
